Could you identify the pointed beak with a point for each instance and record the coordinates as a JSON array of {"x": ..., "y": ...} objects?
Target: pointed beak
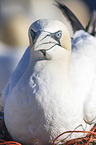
[{"x": 45, "y": 42}]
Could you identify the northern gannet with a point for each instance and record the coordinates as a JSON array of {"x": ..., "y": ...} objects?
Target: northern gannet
[
  {"x": 46, "y": 94},
  {"x": 36, "y": 86}
]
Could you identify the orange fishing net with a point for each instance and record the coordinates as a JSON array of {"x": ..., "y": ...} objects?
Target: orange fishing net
[{"x": 89, "y": 139}]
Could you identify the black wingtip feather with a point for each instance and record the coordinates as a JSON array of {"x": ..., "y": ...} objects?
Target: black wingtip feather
[
  {"x": 91, "y": 27},
  {"x": 71, "y": 17}
]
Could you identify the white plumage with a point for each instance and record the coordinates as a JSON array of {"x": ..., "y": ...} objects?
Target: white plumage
[
  {"x": 46, "y": 94},
  {"x": 84, "y": 46},
  {"x": 30, "y": 78},
  {"x": 83, "y": 61}
]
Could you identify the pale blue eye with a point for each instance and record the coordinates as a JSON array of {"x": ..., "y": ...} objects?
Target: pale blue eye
[{"x": 59, "y": 34}]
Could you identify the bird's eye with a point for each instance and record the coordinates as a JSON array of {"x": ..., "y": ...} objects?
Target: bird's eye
[{"x": 59, "y": 34}]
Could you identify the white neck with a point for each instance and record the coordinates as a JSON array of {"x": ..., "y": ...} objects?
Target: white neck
[{"x": 61, "y": 62}]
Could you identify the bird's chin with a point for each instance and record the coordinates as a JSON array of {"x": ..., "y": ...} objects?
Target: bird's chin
[
  {"x": 46, "y": 55},
  {"x": 44, "y": 48}
]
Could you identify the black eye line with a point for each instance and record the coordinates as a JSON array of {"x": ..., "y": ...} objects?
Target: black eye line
[
  {"x": 53, "y": 35},
  {"x": 44, "y": 51},
  {"x": 44, "y": 37},
  {"x": 59, "y": 32},
  {"x": 46, "y": 43},
  {"x": 53, "y": 46}
]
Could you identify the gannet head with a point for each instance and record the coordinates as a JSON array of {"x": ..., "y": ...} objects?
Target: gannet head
[{"x": 51, "y": 37}]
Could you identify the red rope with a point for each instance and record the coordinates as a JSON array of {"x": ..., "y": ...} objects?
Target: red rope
[
  {"x": 76, "y": 140},
  {"x": 3, "y": 142}
]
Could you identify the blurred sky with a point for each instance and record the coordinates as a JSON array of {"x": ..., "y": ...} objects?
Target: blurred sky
[
  {"x": 91, "y": 4},
  {"x": 17, "y": 15}
]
